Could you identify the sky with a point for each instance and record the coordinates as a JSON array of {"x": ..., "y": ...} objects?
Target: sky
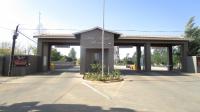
[{"x": 145, "y": 17}]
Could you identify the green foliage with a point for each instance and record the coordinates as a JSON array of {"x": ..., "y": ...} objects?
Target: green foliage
[
  {"x": 72, "y": 54},
  {"x": 134, "y": 57},
  {"x": 5, "y": 48},
  {"x": 128, "y": 60},
  {"x": 95, "y": 75},
  {"x": 113, "y": 76},
  {"x": 159, "y": 56},
  {"x": 176, "y": 56},
  {"x": 96, "y": 68},
  {"x": 116, "y": 74},
  {"x": 193, "y": 32},
  {"x": 68, "y": 59},
  {"x": 63, "y": 58},
  {"x": 55, "y": 55}
]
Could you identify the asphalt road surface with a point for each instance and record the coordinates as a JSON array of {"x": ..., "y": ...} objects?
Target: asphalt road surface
[{"x": 68, "y": 92}]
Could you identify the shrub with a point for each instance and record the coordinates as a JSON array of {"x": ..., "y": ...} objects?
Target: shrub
[
  {"x": 95, "y": 75},
  {"x": 96, "y": 68}
]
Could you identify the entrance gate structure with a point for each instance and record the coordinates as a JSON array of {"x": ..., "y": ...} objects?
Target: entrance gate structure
[{"x": 90, "y": 46}]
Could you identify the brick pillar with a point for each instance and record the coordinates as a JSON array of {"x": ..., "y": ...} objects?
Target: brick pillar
[
  {"x": 170, "y": 58},
  {"x": 147, "y": 57},
  {"x": 184, "y": 52}
]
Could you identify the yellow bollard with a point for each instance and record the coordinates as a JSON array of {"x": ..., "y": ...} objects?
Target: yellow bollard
[
  {"x": 52, "y": 66},
  {"x": 133, "y": 67}
]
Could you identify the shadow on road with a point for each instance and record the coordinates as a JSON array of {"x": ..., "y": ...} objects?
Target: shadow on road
[
  {"x": 59, "y": 71},
  {"x": 153, "y": 73},
  {"x": 35, "y": 107}
]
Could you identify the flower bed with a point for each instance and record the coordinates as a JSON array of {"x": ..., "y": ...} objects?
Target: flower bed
[{"x": 112, "y": 77}]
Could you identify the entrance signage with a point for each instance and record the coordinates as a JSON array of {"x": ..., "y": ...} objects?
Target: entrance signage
[{"x": 21, "y": 61}]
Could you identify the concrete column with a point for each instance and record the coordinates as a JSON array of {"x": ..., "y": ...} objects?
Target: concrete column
[
  {"x": 170, "y": 58},
  {"x": 39, "y": 54},
  {"x": 184, "y": 52},
  {"x": 111, "y": 59},
  {"x": 82, "y": 60},
  {"x": 138, "y": 50},
  {"x": 45, "y": 57},
  {"x": 147, "y": 57},
  {"x": 39, "y": 47}
]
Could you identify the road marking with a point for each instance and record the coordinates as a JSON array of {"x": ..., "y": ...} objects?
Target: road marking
[{"x": 97, "y": 91}]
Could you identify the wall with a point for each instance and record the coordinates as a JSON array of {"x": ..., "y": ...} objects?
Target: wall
[
  {"x": 93, "y": 40},
  {"x": 1, "y": 65},
  {"x": 198, "y": 64},
  {"x": 32, "y": 68},
  {"x": 191, "y": 64}
]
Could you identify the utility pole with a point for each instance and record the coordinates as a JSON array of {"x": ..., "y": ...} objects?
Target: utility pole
[
  {"x": 39, "y": 24},
  {"x": 13, "y": 51},
  {"x": 103, "y": 39}
]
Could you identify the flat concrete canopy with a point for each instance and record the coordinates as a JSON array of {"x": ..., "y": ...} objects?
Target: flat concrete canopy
[
  {"x": 90, "y": 43},
  {"x": 124, "y": 40}
]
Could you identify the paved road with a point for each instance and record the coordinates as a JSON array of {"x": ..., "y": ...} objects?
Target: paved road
[{"x": 67, "y": 92}]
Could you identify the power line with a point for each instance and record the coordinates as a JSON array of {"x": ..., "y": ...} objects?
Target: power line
[
  {"x": 151, "y": 30},
  {"x": 131, "y": 30},
  {"x": 51, "y": 29},
  {"x": 27, "y": 37},
  {"x": 71, "y": 29}
]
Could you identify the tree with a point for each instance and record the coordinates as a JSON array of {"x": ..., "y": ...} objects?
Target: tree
[
  {"x": 193, "y": 32},
  {"x": 176, "y": 56},
  {"x": 134, "y": 58},
  {"x": 72, "y": 54},
  {"x": 159, "y": 56},
  {"x": 31, "y": 50},
  {"x": 55, "y": 55},
  {"x": 5, "y": 48}
]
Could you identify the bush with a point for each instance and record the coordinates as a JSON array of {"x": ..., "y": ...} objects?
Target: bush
[
  {"x": 96, "y": 68},
  {"x": 96, "y": 75}
]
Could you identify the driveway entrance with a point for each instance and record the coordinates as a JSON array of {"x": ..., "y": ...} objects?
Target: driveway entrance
[{"x": 68, "y": 92}]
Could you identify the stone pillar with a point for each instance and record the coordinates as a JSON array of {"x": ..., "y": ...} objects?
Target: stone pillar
[
  {"x": 184, "y": 52},
  {"x": 138, "y": 49},
  {"x": 82, "y": 60},
  {"x": 111, "y": 59},
  {"x": 45, "y": 57},
  {"x": 39, "y": 47},
  {"x": 147, "y": 57},
  {"x": 170, "y": 58},
  {"x": 39, "y": 54}
]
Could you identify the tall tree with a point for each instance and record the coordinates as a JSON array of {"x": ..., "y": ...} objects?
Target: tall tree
[
  {"x": 159, "y": 56},
  {"x": 176, "y": 56},
  {"x": 193, "y": 32},
  {"x": 5, "y": 48},
  {"x": 72, "y": 54},
  {"x": 55, "y": 55}
]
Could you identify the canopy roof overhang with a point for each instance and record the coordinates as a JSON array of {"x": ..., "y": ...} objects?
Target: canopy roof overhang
[{"x": 74, "y": 39}]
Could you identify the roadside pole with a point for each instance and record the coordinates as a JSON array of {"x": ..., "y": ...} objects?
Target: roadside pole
[
  {"x": 13, "y": 51},
  {"x": 103, "y": 40}
]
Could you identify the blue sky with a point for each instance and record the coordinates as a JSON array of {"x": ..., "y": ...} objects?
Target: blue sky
[
  {"x": 153, "y": 15},
  {"x": 141, "y": 15}
]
